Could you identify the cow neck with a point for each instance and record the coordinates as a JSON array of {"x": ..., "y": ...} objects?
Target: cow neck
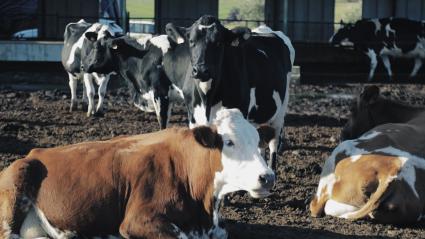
[
  {"x": 210, "y": 97},
  {"x": 201, "y": 164},
  {"x": 398, "y": 112}
]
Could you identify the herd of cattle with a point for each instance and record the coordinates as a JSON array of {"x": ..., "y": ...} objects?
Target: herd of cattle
[{"x": 235, "y": 86}]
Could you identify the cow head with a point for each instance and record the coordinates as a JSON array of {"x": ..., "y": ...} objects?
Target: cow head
[
  {"x": 207, "y": 39},
  {"x": 97, "y": 53},
  {"x": 243, "y": 167},
  {"x": 343, "y": 35},
  {"x": 363, "y": 118}
]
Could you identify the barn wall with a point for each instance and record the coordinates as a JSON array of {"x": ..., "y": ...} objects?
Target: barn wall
[
  {"x": 306, "y": 20},
  {"x": 412, "y": 9},
  {"x": 55, "y": 15},
  {"x": 182, "y": 12}
]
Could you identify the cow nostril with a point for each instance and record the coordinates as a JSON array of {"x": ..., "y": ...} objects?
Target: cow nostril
[
  {"x": 195, "y": 71},
  {"x": 266, "y": 180}
]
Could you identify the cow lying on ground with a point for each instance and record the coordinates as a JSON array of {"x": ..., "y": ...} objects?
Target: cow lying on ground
[
  {"x": 75, "y": 47},
  {"x": 166, "y": 184},
  {"x": 237, "y": 69},
  {"x": 384, "y": 38},
  {"x": 146, "y": 67},
  {"x": 380, "y": 174}
]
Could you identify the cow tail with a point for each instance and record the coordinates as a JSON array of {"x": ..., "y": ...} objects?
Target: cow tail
[{"x": 377, "y": 197}]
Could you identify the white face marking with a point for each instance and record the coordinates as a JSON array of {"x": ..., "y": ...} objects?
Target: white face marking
[
  {"x": 200, "y": 27},
  {"x": 267, "y": 30},
  {"x": 205, "y": 86},
  {"x": 241, "y": 159},
  {"x": 161, "y": 42},
  {"x": 338, "y": 209}
]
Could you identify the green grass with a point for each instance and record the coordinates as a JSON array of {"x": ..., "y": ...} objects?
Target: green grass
[
  {"x": 145, "y": 8},
  {"x": 224, "y": 7},
  {"x": 140, "y": 8},
  {"x": 348, "y": 10}
]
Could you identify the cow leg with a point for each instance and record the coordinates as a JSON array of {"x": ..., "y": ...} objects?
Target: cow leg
[
  {"x": 387, "y": 64},
  {"x": 103, "y": 83},
  {"x": 162, "y": 108},
  {"x": 318, "y": 203},
  {"x": 85, "y": 98},
  {"x": 88, "y": 82},
  {"x": 143, "y": 224},
  {"x": 18, "y": 184},
  {"x": 416, "y": 67},
  {"x": 373, "y": 63},
  {"x": 73, "y": 88}
]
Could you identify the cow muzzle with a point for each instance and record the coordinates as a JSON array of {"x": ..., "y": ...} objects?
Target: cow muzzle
[
  {"x": 267, "y": 181},
  {"x": 200, "y": 72}
]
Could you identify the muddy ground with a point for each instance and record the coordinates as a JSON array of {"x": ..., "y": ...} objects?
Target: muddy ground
[{"x": 40, "y": 118}]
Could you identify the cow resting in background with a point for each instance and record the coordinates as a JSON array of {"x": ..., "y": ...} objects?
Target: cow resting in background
[
  {"x": 384, "y": 38},
  {"x": 237, "y": 69},
  {"x": 166, "y": 184},
  {"x": 76, "y": 46},
  {"x": 380, "y": 174}
]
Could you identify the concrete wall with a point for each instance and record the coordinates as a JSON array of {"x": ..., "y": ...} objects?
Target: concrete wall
[{"x": 30, "y": 51}]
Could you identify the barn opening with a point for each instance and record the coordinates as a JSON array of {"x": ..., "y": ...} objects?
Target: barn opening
[
  {"x": 248, "y": 13},
  {"x": 347, "y": 11}
]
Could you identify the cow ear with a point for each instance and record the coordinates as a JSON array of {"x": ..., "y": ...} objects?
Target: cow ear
[
  {"x": 207, "y": 137},
  {"x": 91, "y": 36},
  {"x": 116, "y": 43},
  {"x": 176, "y": 34},
  {"x": 238, "y": 35},
  {"x": 369, "y": 94},
  {"x": 266, "y": 133}
]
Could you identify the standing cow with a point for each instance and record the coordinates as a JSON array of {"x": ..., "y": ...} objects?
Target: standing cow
[
  {"x": 385, "y": 38},
  {"x": 248, "y": 71},
  {"x": 379, "y": 171},
  {"x": 76, "y": 46},
  {"x": 146, "y": 67}
]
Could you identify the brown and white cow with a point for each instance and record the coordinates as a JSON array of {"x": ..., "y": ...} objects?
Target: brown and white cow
[
  {"x": 381, "y": 174},
  {"x": 166, "y": 184}
]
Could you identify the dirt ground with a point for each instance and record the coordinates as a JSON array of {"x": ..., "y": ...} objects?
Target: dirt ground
[{"x": 40, "y": 118}]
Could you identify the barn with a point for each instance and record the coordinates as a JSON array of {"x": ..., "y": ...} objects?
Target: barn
[{"x": 34, "y": 96}]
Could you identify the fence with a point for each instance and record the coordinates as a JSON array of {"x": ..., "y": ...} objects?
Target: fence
[{"x": 56, "y": 25}]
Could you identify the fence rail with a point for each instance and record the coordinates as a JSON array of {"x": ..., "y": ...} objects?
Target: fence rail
[{"x": 34, "y": 30}]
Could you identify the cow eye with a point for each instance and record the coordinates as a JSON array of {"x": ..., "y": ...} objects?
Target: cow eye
[{"x": 229, "y": 143}]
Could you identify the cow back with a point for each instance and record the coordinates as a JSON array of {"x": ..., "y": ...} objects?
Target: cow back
[{"x": 72, "y": 35}]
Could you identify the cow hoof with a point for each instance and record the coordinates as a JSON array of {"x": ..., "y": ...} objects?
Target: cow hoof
[
  {"x": 99, "y": 114},
  {"x": 85, "y": 106},
  {"x": 72, "y": 108}
]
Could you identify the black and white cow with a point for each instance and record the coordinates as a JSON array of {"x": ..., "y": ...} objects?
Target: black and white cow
[
  {"x": 237, "y": 69},
  {"x": 143, "y": 65},
  {"x": 76, "y": 46},
  {"x": 385, "y": 38}
]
